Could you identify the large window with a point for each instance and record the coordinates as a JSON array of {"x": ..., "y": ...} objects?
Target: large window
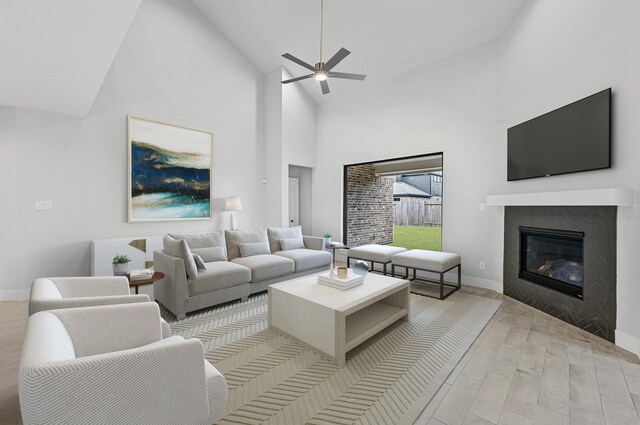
[{"x": 396, "y": 202}]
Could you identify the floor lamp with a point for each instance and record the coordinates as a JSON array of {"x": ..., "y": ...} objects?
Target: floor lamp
[{"x": 233, "y": 204}]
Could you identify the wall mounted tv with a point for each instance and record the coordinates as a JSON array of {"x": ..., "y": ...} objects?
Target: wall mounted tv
[{"x": 576, "y": 137}]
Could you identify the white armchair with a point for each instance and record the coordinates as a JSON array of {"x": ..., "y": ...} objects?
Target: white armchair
[
  {"x": 51, "y": 293},
  {"x": 109, "y": 365}
]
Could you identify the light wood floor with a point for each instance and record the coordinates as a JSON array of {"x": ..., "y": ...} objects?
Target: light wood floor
[
  {"x": 525, "y": 368},
  {"x": 13, "y": 318}
]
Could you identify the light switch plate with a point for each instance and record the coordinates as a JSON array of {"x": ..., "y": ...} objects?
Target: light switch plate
[{"x": 44, "y": 205}]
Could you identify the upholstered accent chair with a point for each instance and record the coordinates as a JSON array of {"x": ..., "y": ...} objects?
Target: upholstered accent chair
[
  {"x": 110, "y": 365},
  {"x": 51, "y": 293}
]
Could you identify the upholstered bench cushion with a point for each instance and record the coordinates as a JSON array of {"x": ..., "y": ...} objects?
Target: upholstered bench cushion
[
  {"x": 426, "y": 260},
  {"x": 266, "y": 266},
  {"x": 307, "y": 259},
  {"x": 218, "y": 275},
  {"x": 375, "y": 252}
]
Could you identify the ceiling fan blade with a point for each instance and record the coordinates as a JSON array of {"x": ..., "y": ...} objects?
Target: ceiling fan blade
[
  {"x": 347, "y": 76},
  {"x": 304, "y": 77},
  {"x": 298, "y": 61},
  {"x": 324, "y": 86},
  {"x": 342, "y": 53}
]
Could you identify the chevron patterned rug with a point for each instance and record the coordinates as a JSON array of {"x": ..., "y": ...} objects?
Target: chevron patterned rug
[{"x": 388, "y": 379}]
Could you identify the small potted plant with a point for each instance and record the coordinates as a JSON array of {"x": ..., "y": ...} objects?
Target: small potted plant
[
  {"x": 327, "y": 239},
  {"x": 120, "y": 265}
]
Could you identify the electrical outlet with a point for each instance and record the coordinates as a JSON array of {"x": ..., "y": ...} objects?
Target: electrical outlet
[
  {"x": 44, "y": 205},
  {"x": 483, "y": 206},
  {"x": 483, "y": 265}
]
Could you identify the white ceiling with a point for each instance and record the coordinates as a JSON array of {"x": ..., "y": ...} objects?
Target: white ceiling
[
  {"x": 55, "y": 54},
  {"x": 385, "y": 37}
]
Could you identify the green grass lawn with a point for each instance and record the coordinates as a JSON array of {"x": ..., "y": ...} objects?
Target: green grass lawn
[{"x": 418, "y": 237}]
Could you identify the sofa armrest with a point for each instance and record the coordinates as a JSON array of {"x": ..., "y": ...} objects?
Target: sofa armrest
[
  {"x": 313, "y": 242},
  {"x": 103, "y": 329},
  {"x": 172, "y": 291},
  {"x": 163, "y": 382}
]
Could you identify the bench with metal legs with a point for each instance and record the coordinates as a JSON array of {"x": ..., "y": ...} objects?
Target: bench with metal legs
[
  {"x": 429, "y": 261},
  {"x": 441, "y": 282},
  {"x": 374, "y": 254},
  {"x": 371, "y": 269}
]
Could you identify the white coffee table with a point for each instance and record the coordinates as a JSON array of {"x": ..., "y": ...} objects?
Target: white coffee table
[{"x": 332, "y": 321}]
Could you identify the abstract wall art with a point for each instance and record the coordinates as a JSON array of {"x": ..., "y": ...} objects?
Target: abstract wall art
[{"x": 170, "y": 172}]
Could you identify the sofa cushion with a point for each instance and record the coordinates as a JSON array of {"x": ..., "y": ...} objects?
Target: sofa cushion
[
  {"x": 218, "y": 275},
  {"x": 215, "y": 253},
  {"x": 427, "y": 260},
  {"x": 266, "y": 266},
  {"x": 307, "y": 259},
  {"x": 254, "y": 248},
  {"x": 289, "y": 244},
  {"x": 235, "y": 237},
  {"x": 180, "y": 248},
  {"x": 276, "y": 234},
  {"x": 375, "y": 252},
  {"x": 199, "y": 262},
  {"x": 203, "y": 240}
]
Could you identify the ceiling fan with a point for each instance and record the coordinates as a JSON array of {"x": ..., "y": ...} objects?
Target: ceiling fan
[{"x": 322, "y": 71}]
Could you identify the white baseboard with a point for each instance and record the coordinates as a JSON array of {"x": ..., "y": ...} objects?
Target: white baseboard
[
  {"x": 483, "y": 283},
  {"x": 628, "y": 342},
  {"x": 14, "y": 294}
]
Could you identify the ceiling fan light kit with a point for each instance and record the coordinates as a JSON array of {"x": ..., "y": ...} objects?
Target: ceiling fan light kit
[{"x": 321, "y": 70}]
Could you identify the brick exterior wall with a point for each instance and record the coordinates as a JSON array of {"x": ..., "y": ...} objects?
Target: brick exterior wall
[{"x": 369, "y": 207}]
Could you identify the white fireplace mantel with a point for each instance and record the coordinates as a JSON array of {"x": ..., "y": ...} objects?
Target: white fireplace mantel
[{"x": 614, "y": 197}]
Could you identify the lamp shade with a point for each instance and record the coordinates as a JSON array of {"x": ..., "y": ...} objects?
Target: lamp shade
[{"x": 233, "y": 204}]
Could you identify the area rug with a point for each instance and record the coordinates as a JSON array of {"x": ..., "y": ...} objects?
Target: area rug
[{"x": 388, "y": 379}]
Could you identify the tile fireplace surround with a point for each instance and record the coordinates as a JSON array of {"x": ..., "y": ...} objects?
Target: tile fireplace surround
[
  {"x": 596, "y": 311},
  {"x": 593, "y": 212}
]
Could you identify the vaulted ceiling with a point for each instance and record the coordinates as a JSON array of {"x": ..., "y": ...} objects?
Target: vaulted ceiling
[
  {"x": 385, "y": 37},
  {"x": 55, "y": 55}
]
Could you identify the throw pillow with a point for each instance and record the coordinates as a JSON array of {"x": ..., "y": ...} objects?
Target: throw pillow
[
  {"x": 276, "y": 234},
  {"x": 179, "y": 248},
  {"x": 202, "y": 240},
  {"x": 199, "y": 262},
  {"x": 212, "y": 254},
  {"x": 255, "y": 248},
  {"x": 289, "y": 244},
  {"x": 236, "y": 237}
]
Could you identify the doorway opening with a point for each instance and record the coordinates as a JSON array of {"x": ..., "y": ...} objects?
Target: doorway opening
[
  {"x": 300, "y": 197},
  {"x": 395, "y": 202}
]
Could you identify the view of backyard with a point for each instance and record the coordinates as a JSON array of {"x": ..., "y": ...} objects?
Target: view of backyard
[{"x": 417, "y": 237}]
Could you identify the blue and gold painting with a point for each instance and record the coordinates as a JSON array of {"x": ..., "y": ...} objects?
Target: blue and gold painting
[{"x": 170, "y": 171}]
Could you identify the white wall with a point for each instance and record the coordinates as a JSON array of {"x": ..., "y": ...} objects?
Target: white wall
[
  {"x": 291, "y": 138},
  {"x": 173, "y": 66},
  {"x": 448, "y": 107},
  {"x": 563, "y": 51},
  {"x": 276, "y": 186},
  {"x": 299, "y": 140},
  {"x": 556, "y": 53}
]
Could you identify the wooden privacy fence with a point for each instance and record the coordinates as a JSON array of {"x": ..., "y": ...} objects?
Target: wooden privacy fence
[{"x": 418, "y": 212}]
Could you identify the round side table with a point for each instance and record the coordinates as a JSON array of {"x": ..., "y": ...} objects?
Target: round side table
[
  {"x": 136, "y": 283},
  {"x": 333, "y": 248}
]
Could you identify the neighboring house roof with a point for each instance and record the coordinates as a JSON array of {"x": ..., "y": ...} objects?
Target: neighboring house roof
[{"x": 402, "y": 189}]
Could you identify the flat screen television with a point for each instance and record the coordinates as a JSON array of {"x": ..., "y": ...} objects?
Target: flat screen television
[{"x": 574, "y": 138}]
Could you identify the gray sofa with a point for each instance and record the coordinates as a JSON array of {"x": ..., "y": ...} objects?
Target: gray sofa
[{"x": 205, "y": 269}]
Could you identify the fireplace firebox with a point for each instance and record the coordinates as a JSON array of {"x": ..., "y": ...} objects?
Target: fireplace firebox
[{"x": 553, "y": 258}]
